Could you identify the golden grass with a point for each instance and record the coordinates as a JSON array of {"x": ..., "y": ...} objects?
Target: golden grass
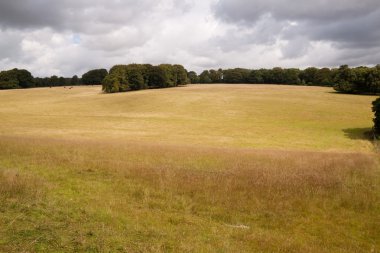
[
  {"x": 211, "y": 168},
  {"x": 14, "y": 185},
  {"x": 109, "y": 196},
  {"x": 258, "y": 116}
]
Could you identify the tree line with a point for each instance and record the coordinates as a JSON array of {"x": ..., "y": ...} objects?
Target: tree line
[
  {"x": 21, "y": 78},
  {"x": 120, "y": 78},
  {"x": 343, "y": 79}
]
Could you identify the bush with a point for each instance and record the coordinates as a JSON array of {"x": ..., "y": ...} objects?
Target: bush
[{"x": 376, "y": 120}]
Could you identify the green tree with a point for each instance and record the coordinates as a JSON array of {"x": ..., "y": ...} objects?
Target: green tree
[
  {"x": 309, "y": 76},
  {"x": 16, "y": 78},
  {"x": 94, "y": 76},
  {"x": 181, "y": 74},
  {"x": 216, "y": 76},
  {"x": 74, "y": 80},
  {"x": 291, "y": 76},
  {"x": 204, "y": 77},
  {"x": 237, "y": 75},
  {"x": 255, "y": 76},
  {"x": 61, "y": 81},
  {"x": 158, "y": 77},
  {"x": 324, "y": 77},
  {"x": 193, "y": 77},
  {"x": 170, "y": 74},
  {"x": 54, "y": 80},
  {"x": 344, "y": 80},
  {"x": 373, "y": 80},
  {"x": 116, "y": 80},
  {"x": 135, "y": 76},
  {"x": 376, "y": 110},
  {"x": 25, "y": 78},
  {"x": 9, "y": 80}
]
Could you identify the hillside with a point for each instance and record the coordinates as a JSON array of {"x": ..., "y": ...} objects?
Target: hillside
[
  {"x": 250, "y": 116},
  {"x": 203, "y": 168}
]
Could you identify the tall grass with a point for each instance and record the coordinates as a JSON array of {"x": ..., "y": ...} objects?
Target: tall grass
[
  {"x": 14, "y": 184},
  {"x": 131, "y": 197}
]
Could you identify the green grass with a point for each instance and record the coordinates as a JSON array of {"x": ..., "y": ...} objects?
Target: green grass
[{"x": 82, "y": 171}]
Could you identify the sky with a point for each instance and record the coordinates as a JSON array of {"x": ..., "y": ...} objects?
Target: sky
[{"x": 68, "y": 37}]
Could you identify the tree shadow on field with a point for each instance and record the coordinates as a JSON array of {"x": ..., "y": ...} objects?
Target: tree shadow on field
[
  {"x": 359, "y": 133},
  {"x": 353, "y": 94}
]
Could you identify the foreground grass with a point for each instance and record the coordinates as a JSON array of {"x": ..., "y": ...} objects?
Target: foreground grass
[{"x": 70, "y": 196}]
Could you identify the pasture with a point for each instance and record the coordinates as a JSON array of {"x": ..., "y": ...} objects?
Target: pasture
[{"x": 203, "y": 168}]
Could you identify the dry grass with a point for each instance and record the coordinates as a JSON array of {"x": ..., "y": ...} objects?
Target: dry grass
[
  {"x": 14, "y": 185},
  {"x": 133, "y": 197},
  {"x": 175, "y": 170},
  {"x": 259, "y": 116}
]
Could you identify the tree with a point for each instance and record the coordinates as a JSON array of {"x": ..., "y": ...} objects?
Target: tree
[
  {"x": 216, "y": 76},
  {"x": 136, "y": 80},
  {"x": 146, "y": 69},
  {"x": 255, "y": 76},
  {"x": 158, "y": 77},
  {"x": 16, "y": 78},
  {"x": 74, "y": 80},
  {"x": 308, "y": 76},
  {"x": 170, "y": 74},
  {"x": 135, "y": 76},
  {"x": 237, "y": 75},
  {"x": 344, "y": 80},
  {"x": 193, "y": 77},
  {"x": 376, "y": 120},
  {"x": 25, "y": 78},
  {"x": 94, "y": 76},
  {"x": 61, "y": 81},
  {"x": 291, "y": 76},
  {"x": 54, "y": 81},
  {"x": 204, "y": 77},
  {"x": 9, "y": 80},
  {"x": 278, "y": 76},
  {"x": 116, "y": 80},
  {"x": 181, "y": 75},
  {"x": 373, "y": 80},
  {"x": 324, "y": 77}
]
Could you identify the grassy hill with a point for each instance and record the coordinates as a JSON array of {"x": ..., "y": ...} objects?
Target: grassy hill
[{"x": 204, "y": 168}]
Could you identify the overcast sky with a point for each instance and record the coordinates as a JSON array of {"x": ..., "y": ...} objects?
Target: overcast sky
[{"x": 67, "y": 37}]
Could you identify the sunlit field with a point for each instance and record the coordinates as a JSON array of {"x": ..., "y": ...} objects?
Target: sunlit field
[
  {"x": 203, "y": 168},
  {"x": 251, "y": 116}
]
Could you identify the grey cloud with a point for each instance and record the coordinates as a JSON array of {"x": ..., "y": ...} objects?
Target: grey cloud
[
  {"x": 85, "y": 16},
  {"x": 296, "y": 47},
  {"x": 248, "y": 11},
  {"x": 10, "y": 45},
  {"x": 265, "y": 31},
  {"x": 343, "y": 23}
]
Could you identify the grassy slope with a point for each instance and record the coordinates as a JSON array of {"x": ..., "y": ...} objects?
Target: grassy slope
[
  {"x": 287, "y": 117},
  {"x": 139, "y": 172}
]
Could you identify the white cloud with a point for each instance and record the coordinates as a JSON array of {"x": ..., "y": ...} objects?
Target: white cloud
[{"x": 70, "y": 37}]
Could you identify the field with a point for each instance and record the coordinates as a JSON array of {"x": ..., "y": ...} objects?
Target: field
[{"x": 203, "y": 168}]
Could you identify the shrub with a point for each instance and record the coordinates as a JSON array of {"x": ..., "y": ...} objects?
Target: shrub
[{"x": 376, "y": 120}]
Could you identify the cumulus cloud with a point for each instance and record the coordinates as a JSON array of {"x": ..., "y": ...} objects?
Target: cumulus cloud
[{"x": 69, "y": 37}]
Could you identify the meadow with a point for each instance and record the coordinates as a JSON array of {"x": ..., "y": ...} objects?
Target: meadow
[{"x": 202, "y": 168}]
